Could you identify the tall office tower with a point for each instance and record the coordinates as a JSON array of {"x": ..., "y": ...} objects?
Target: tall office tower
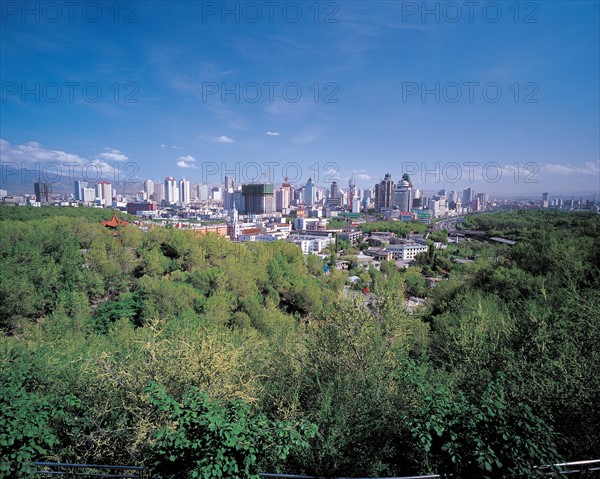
[
  {"x": 202, "y": 193},
  {"x": 335, "y": 190},
  {"x": 351, "y": 193},
  {"x": 105, "y": 193},
  {"x": 159, "y": 193},
  {"x": 453, "y": 196},
  {"x": 403, "y": 196},
  {"x": 184, "y": 191},
  {"x": 43, "y": 192},
  {"x": 229, "y": 182},
  {"x": 442, "y": 192},
  {"x": 468, "y": 196},
  {"x": 78, "y": 187},
  {"x": 258, "y": 199},
  {"x": 384, "y": 192},
  {"x": 171, "y": 190},
  {"x": 149, "y": 189},
  {"x": 309, "y": 193}
]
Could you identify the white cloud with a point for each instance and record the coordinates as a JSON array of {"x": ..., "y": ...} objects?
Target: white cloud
[
  {"x": 363, "y": 176},
  {"x": 272, "y": 133},
  {"x": 186, "y": 161},
  {"x": 162, "y": 145},
  {"x": 589, "y": 168},
  {"x": 174, "y": 147},
  {"x": 114, "y": 155},
  {"x": 33, "y": 156},
  {"x": 223, "y": 139}
]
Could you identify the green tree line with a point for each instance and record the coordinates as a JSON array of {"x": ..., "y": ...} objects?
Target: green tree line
[{"x": 200, "y": 357}]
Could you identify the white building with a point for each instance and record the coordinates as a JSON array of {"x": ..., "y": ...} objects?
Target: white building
[
  {"x": 184, "y": 192},
  {"x": 171, "y": 190},
  {"x": 407, "y": 251},
  {"x": 148, "y": 189},
  {"x": 105, "y": 193},
  {"x": 311, "y": 244},
  {"x": 88, "y": 195}
]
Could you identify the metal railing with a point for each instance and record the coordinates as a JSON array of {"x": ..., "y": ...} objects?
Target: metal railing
[
  {"x": 54, "y": 469},
  {"x": 292, "y": 476},
  {"x": 574, "y": 470},
  {"x": 568, "y": 470}
]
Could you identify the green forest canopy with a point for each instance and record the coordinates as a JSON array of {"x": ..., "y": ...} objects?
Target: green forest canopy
[{"x": 202, "y": 357}]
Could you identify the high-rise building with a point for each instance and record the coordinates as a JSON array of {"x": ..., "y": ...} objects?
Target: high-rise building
[
  {"x": 384, "y": 192},
  {"x": 216, "y": 193},
  {"x": 351, "y": 194},
  {"x": 104, "y": 192},
  {"x": 228, "y": 190},
  {"x": 43, "y": 192},
  {"x": 78, "y": 187},
  {"x": 403, "y": 196},
  {"x": 468, "y": 196},
  {"x": 483, "y": 199},
  {"x": 88, "y": 195},
  {"x": 335, "y": 190},
  {"x": 309, "y": 193},
  {"x": 148, "y": 189},
  {"x": 284, "y": 196},
  {"x": 202, "y": 193},
  {"x": 171, "y": 190},
  {"x": 258, "y": 199},
  {"x": 545, "y": 198},
  {"x": 159, "y": 193},
  {"x": 184, "y": 192}
]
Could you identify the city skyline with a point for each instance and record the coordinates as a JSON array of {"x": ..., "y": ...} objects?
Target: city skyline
[{"x": 502, "y": 94}]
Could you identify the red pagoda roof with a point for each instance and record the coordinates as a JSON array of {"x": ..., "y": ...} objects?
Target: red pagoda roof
[{"x": 114, "y": 222}]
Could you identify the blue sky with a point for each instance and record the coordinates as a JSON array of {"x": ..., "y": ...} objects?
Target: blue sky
[{"x": 504, "y": 99}]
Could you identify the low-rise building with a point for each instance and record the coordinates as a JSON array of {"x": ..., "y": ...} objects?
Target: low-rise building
[
  {"x": 406, "y": 251},
  {"x": 311, "y": 244}
]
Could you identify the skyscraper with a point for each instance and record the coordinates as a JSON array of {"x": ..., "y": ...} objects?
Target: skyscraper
[
  {"x": 104, "y": 192},
  {"x": 335, "y": 190},
  {"x": 309, "y": 193},
  {"x": 403, "y": 196},
  {"x": 159, "y": 192},
  {"x": 228, "y": 190},
  {"x": 351, "y": 194},
  {"x": 171, "y": 190},
  {"x": 468, "y": 196},
  {"x": 202, "y": 193},
  {"x": 78, "y": 187},
  {"x": 384, "y": 192},
  {"x": 184, "y": 191},
  {"x": 149, "y": 189}
]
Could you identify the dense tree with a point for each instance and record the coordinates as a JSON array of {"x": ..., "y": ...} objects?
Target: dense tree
[{"x": 107, "y": 340}]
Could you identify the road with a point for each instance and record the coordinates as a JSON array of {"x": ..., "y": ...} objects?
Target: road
[{"x": 448, "y": 224}]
